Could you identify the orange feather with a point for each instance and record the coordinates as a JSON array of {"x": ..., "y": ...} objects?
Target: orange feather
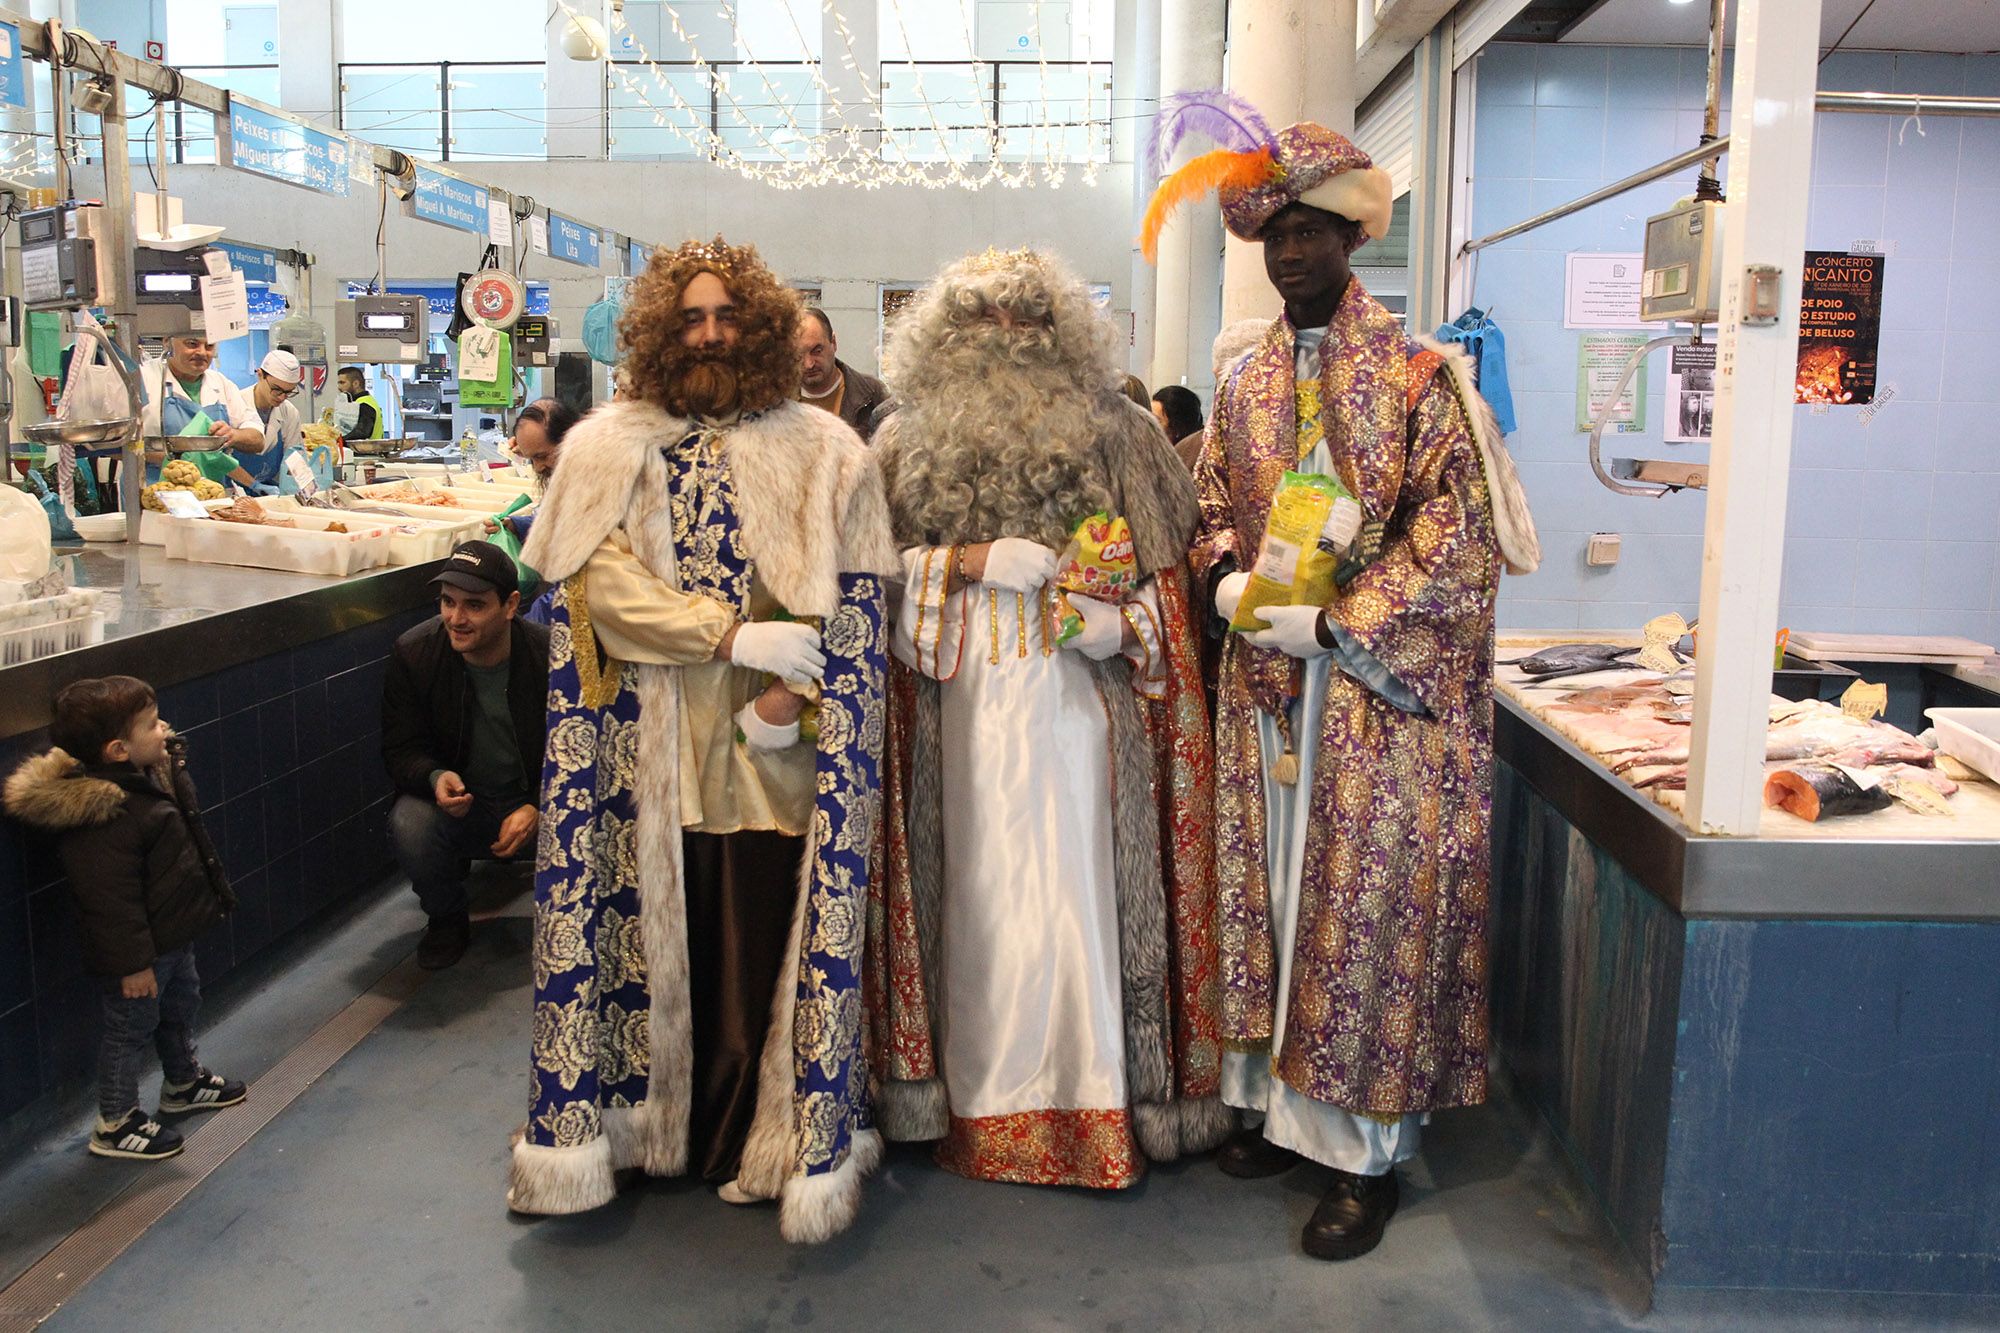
[{"x": 1220, "y": 169}]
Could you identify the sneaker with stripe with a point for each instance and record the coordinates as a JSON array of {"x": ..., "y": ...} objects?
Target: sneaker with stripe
[
  {"x": 208, "y": 1092},
  {"x": 135, "y": 1138}
]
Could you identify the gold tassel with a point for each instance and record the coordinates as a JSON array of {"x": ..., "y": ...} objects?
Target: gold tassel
[{"x": 1285, "y": 770}]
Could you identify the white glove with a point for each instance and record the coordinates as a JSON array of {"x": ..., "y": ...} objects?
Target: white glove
[
  {"x": 785, "y": 648},
  {"x": 1294, "y": 631},
  {"x": 1103, "y": 628},
  {"x": 761, "y": 735},
  {"x": 1228, "y": 593},
  {"x": 1018, "y": 565}
]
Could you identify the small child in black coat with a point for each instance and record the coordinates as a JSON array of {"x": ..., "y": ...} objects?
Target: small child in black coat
[{"x": 116, "y": 793}]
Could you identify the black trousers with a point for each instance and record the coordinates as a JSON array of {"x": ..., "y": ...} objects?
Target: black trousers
[{"x": 740, "y": 890}]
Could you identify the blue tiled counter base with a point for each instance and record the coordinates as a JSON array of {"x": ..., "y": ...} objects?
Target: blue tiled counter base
[
  {"x": 285, "y": 751},
  {"x": 1753, "y": 1103}
]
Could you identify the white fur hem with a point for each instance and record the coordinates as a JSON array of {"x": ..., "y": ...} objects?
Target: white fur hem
[
  {"x": 560, "y": 1180},
  {"x": 638, "y": 1137},
  {"x": 817, "y": 1208},
  {"x": 912, "y": 1110}
]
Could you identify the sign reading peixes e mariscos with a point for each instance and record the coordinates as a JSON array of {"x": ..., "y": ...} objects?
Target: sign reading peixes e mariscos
[{"x": 271, "y": 143}]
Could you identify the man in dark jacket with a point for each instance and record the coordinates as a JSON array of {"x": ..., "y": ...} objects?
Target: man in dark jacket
[
  {"x": 828, "y": 382},
  {"x": 116, "y": 793},
  {"x": 464, "y": 708}
]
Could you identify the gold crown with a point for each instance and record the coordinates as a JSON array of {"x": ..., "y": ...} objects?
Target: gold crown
[
  {"x": 717, "y": 255},
  {"x": 992, "y": 260}
]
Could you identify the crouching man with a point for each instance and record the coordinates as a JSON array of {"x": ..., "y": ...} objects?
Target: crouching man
[{"x": 464, "y": 707}]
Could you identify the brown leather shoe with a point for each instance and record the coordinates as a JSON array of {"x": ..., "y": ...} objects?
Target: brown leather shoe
[
  {"x": 1352, "y": 1216},
  {"x": 1251, "y": 1156}
]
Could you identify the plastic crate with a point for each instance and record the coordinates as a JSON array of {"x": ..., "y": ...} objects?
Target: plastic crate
[{"x": 46, "y": 626}]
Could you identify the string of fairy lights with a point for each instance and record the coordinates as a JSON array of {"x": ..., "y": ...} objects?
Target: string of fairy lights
[
  {"x": 875, "y": 127},
  {"x": 857, "y": 142}
]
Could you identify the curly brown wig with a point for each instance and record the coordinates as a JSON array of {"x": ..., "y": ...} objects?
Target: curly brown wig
[{"x": 762, "y": 368}]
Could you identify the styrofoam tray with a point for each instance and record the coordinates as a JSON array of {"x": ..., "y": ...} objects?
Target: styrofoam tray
[
  {"x": 1970, "y": 735},
  {"x": 305, "y": 549},
  {"x": 429, "y": 534},
  {"x": 475, "y": 495},
  {"x": 153, "y": 523}
]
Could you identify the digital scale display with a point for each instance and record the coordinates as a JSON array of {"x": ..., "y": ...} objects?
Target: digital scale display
[
  {"x": 386, "y": 323},
  {"x": 167, "y": 282},
  {"x": 39, "y": 227}
]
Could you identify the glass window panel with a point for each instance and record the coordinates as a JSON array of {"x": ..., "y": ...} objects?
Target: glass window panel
[
  {"x": 198, "y": 126},
  {"x": 924, "y": 29},
  {"x": 935, "y": 113},
  {"x": 1064, "y": 116},
  {"x": 645, "y": 117},
  {"x": 385, "y": 31},
  {"x": 498, "y": 112},
  {"x": 781, "y": 106},
  {"x": 396, "y": 107}
]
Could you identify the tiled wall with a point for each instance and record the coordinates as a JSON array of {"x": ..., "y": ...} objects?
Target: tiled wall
[
  {"x": 1893, "y": 524},
  {"x": 285, "y": 753}
]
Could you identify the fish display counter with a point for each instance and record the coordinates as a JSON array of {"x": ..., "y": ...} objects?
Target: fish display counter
[
  {"x": 275, "y": 678},
  {"x": 1748, "y": 1044}
]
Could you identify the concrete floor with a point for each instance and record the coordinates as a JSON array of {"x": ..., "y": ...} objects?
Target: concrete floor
[{"x": 375, "y": 1202}]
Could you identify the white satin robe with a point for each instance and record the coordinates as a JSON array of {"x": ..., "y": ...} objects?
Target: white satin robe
[{"x": 1031, "y": 1047}]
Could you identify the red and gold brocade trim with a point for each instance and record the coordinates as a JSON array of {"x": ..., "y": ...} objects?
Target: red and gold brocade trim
[
  {"x": 936, "y": 635},
  {"x": 896, "y": 1002},
  {"x": 1092, "y": 1149}
]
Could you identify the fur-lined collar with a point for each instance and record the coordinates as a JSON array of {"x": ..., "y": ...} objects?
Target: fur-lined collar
[
  {"x": 808, "y": 496},
  {"x": 54, "y": 792}
]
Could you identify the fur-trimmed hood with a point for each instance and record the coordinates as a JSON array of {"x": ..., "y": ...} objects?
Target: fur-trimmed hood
[
  {"x": 808, "y": 496},
  {"x": 54, "y": 792}
]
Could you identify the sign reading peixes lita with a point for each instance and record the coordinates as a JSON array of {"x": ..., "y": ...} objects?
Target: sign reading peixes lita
[{"x": 1840, "y": 327}]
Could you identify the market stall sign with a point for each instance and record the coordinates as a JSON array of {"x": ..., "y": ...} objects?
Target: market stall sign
[
  {"x": 572, "y": 241},
  {"x": 271, "y": 143},
  {"x": 450, "y": 202},
  {"x": 1840, "y": 327},
  {"x": 253, "y": 262},
  {"x": 13, "y": 85},
  {"x": 640, "y": 255}
]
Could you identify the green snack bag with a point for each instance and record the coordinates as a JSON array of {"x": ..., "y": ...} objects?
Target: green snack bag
[{"x": 508, "y": 542}]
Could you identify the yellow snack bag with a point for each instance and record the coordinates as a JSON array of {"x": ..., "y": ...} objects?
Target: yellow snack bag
[
  {"x": 1101, "y": 562},
  {"x": 1313, "y": 519}
]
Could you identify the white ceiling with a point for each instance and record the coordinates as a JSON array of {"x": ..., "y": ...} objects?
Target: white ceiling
[{"x": 1891, "y": 25}]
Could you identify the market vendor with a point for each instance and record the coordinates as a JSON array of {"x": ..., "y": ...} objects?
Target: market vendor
[
  {"x": 187, "y": 384},
  {"x": 368, "y": 423},
  {"x": 278, "y": 380}
]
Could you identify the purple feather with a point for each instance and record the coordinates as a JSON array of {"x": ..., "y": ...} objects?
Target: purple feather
[{"x": 1215, "y": 113}]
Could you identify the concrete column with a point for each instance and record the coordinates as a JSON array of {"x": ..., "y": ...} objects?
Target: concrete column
[
  {"x": 1135, "y": 96},
  {"x": 1188, "y": 308},
  {"x": 1294, "y": 60},
  {"x": 850, "y": 73},
  {"x": 309, "y": 59},
  {"x": 573, "y": 87}
]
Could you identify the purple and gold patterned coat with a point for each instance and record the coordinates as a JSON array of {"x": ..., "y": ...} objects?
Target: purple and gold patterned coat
[{"x": 1388, "y": 1010}]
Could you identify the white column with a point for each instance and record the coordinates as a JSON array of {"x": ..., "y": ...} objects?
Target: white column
[
  {"x": 1430, "y": 190},
  {"x": 1770, "y": 173},
  {"x": 1294, "y": 60},
  {"x": 574, "y": 86},
  {"x": 1135, "y": 96},
  {"x": 1188, "y": 308},
  {"x": 309, "y": 59},
  {"x": 851, "y": 61}
]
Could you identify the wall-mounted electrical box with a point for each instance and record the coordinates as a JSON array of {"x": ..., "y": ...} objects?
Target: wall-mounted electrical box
[{"x": 1683, "y": 265}]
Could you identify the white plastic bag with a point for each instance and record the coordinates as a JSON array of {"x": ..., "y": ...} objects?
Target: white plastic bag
[
  {"x": 25, "y": 541},
  {"x": 93, "y": 390}
]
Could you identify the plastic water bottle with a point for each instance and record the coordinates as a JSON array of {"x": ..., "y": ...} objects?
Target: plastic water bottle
[{"x": 468, "y": 451}]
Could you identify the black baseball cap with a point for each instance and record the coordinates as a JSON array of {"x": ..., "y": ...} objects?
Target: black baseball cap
[{"x": 479, "y": 567}]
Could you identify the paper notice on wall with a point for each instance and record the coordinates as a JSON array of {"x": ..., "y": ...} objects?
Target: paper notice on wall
[
  {"x": 500, "y": 223},
  {"x": 538, "y": 233},
  {"x": 1600, "y": 360},
  {"x": 1840, "y": 328},
  {"x": 1690, "y": 394},
  {"x": 1602, "y": 291},
  {"x": 225, "y": 307}
]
